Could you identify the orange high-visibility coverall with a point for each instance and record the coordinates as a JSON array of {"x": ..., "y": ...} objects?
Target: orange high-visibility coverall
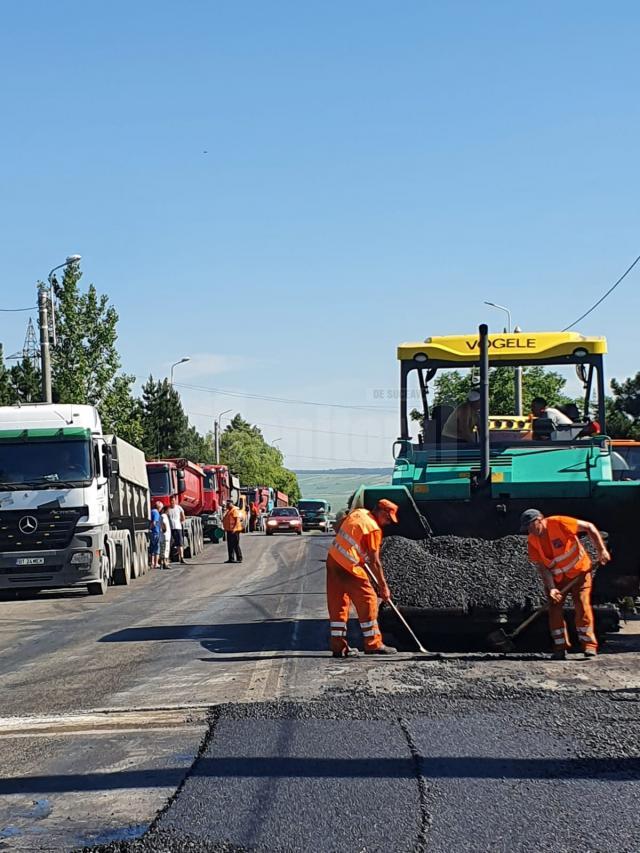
[
  {"x": 561, "y": 553},
  {"x": 347, "y": 581}
]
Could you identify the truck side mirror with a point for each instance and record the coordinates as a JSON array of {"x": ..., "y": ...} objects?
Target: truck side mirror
[
  {"x": 181, "y": 483},
  {"x": 109, "y": 464}
]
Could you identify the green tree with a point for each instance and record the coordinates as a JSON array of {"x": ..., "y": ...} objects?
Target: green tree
[
  {"x": 25, "y": 382},
  {"x": 5, "y": 391},
  {"x": 121, "y": 412},
  {"x": 244, "y": 450},
  {"x": 200, "y": 448},
  {"x": 451, "y": 388},
  {"x": 85, "y": 360},
  {"x": 164, "y": 424},
  {"x": 623, "y": 409}
]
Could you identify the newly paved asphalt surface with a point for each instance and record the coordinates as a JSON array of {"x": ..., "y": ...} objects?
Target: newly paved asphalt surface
[{"x": 198, "y": 710}]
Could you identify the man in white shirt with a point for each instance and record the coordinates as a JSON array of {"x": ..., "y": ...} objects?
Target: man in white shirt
[
  {"x": 539, "y": 409},
  {"x": 176, "y": 520}
]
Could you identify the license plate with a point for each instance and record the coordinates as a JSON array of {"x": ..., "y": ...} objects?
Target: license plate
[{"x": 30, "y": 561}]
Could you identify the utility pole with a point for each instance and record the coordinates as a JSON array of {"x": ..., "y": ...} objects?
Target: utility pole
[
  {"x": 518, "y": 383},
  {"x": 45, "y": 355},
  {"x": 517, "y": 371},
  {"x": 217, "y": 424}
]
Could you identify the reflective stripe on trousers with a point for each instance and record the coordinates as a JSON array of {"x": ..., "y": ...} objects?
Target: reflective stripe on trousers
[
  {"x": 585, "y": 625},
  {"x": 343, "y": 589}
]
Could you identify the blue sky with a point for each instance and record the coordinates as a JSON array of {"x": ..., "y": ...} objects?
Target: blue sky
[{"x": 374, "y": 171}]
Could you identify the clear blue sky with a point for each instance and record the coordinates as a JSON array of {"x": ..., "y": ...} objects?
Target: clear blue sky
[{"x": 374, "y": 170}]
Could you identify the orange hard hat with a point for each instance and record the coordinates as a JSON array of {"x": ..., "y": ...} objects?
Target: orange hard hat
[{"x": 390, "y": 507}]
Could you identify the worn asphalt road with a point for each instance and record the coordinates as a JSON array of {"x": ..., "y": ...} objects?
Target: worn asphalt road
[{"x": 198, "y": 710}]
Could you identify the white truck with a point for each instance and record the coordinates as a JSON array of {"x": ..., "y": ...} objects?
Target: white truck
[{"x": 74, "y": 503}]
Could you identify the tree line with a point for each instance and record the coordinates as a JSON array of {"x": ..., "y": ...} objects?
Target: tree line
[{"x": 86, "y": 368}]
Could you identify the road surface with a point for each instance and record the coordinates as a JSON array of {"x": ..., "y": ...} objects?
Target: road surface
[{"x": 200, "y": 703}]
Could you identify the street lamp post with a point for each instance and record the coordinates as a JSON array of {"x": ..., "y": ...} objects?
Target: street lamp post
[
  {"x": 517, "y": 373},
  {"x": 46, "y": 303},
  {"x": 175, "y": 364},
  {"x": 216, "y": 433}
]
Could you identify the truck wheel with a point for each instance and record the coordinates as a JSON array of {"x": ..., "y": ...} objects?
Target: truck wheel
[
  {"x": 100, "y": 587},
  {"x": 122, "y": 575},
  {"x": 141, "y": 555}
]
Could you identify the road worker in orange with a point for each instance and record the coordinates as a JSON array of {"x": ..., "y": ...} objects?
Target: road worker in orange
[
  {"x": 357, "y": 542},
  {"x": 233, "y": 526},
  {"x": 559, "y": 557}
]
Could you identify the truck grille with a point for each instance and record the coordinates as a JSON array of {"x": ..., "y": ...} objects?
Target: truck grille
[{"x": 38, "y": 530}]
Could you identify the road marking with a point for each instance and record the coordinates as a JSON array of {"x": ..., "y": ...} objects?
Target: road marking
[{"x": 96, "y": 722}]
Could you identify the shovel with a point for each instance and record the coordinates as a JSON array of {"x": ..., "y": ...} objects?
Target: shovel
[
  {"x": 503, "y": 642},
  {"x": 374, "y": 581}
]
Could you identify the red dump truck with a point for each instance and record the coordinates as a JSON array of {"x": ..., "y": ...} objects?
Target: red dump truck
[
  {"x": 220, "y": 485},
  {"x": 183, "y": 480}
]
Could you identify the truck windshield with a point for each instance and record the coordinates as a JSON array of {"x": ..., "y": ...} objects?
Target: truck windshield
[
  {"x": 210, "y": 482},
  {"x": 312, "y": 506},
  {"x": 158, "y": 481},
  {"x": 42, "y": 463}
]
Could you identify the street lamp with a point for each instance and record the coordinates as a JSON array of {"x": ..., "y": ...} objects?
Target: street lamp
[
  {"x": 45, "y": 299},
  {"x": 517, "y": 373},
  {"x": 175, "y": 364},
  {"x": 502, "y": 308},
  {"x": 216, "y": 433}
]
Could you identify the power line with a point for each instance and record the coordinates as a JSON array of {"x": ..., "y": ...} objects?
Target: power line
[
  {"x": 602, "y": 298},
  {"x": 303, "y": 429},
  {"x": 12, "y": 310},
  {"x": 227, "y": 393}
]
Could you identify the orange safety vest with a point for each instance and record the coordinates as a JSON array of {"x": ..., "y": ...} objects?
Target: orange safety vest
[
  {"x": 232, "y": 520},
  {"x": 349, "y": 548},
  {"x": 559, "y": 549}
]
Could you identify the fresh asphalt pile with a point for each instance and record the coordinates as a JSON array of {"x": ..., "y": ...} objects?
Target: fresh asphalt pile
[{"x": 443, "y": 572}]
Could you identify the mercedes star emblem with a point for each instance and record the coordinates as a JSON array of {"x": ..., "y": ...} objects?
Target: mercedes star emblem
[{"x": 28, "y": 524}]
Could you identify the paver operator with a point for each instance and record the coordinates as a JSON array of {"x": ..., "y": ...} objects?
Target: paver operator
[
  {"x": 462, "y": 423},
  {"x": 357, "y": 542},
  {"x": 558, "y": 555}
]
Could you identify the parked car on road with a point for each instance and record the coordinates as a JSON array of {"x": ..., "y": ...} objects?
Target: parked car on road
[{"x": 284, "y": 519}]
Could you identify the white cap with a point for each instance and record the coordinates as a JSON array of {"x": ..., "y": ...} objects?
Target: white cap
[{"x": 473, "y": 396}]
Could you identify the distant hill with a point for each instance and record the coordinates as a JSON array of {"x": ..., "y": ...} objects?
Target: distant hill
[{"x": 337, "y": 484}]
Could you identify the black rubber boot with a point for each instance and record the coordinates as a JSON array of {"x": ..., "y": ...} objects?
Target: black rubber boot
[
  {"x": 559, "y": 655},
  {"x": 590, "y": 653}
]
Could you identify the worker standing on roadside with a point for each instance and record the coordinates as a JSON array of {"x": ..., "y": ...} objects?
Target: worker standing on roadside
[
  {"x": 233, "y": 525},
  {"x": 357, "y": 542},
  {"x": 176, "y": 520},
  {"x": 155, "y": 530},
  {"x": 558, "y": 555}
]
